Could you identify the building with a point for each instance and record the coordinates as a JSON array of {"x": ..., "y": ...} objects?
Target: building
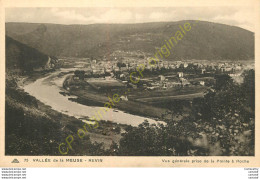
[
  {"x": 124, "y": 98},
  {"x": 180, "y": 74},
  {"x": 162, "y": 78},
  {"x": 202, "y": 83}
]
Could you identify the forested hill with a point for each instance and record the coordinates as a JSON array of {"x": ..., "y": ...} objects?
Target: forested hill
[
  {"x": 206, "y": 40},
  {"x": 21, "y": 57}
]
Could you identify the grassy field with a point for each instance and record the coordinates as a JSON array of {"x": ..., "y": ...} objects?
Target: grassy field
[
  {"x": 158, "y": 99},
  {"x": 172, "y": 93},
  {"x": 132, "y": 107},
  {"x": 101, "y": 83}
]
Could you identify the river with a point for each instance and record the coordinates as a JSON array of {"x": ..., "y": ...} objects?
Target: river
[{"x": 48, "y": 89}]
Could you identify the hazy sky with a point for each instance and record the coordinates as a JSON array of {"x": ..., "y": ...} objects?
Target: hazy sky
[{"x": 238, "y": 16}]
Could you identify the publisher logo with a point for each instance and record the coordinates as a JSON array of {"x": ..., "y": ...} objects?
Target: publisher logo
[{"x": 15, "y": 161}]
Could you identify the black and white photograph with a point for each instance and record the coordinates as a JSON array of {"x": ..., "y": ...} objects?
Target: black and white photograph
[{"x": 130, "y": 81}]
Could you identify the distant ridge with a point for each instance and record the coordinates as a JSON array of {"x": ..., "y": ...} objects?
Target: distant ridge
[{"x": 205, "y": 41}]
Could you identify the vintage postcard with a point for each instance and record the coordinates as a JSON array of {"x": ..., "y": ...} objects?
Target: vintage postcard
[{"x": 129, "y": 84}]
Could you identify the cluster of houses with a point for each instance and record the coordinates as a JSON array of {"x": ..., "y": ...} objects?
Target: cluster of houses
[
  {"x": 167, "y": 82},
  {"x": 131, "y": 63},
  {"x": 122, "y": 67}
]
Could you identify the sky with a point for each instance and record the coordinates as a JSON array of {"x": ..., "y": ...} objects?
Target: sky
[{"x": 237, "y": 16}]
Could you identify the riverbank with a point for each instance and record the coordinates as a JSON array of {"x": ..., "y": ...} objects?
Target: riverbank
[
  {"x": 34, "y": 128},
  {"x": 48, "y": 90}
]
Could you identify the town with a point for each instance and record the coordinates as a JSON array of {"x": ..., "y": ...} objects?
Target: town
[{"x": 161, "y": 84}]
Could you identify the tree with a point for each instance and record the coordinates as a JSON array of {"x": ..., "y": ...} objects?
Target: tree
[
  {"x": 223, "y": 115},
  {"x": 80, "y": 74},
  {"x": 249, "y": 88},
  {"x": 155, "y": 140}
]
